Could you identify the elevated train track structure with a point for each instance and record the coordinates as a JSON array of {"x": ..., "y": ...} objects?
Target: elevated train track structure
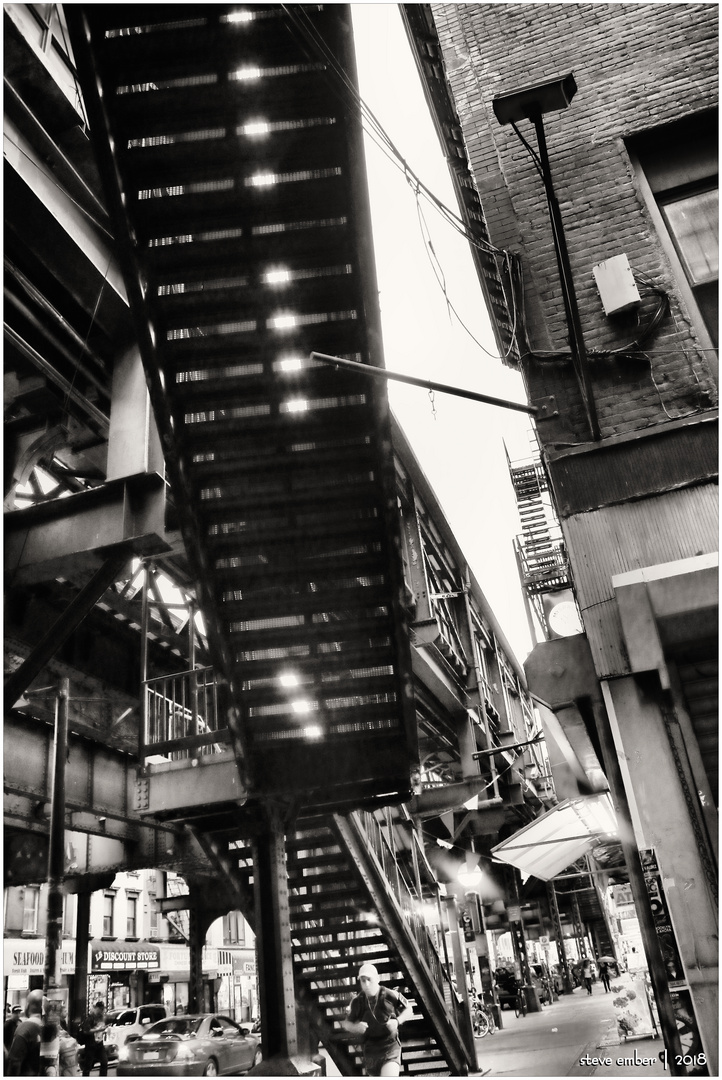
[{"x": 348, "y": 668}]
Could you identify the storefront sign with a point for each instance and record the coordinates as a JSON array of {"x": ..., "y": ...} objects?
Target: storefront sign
[
  {"x": 25, "y": 957},
  {"x": 125, "y": 957}
]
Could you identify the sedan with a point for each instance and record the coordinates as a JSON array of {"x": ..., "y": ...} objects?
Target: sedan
[{"x": 201, "y": 1045}]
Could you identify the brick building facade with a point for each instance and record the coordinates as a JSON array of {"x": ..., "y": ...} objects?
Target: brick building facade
[{"x": 634, "y": 166}]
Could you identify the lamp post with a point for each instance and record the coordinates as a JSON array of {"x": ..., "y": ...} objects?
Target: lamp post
[{"x": 531, "y": 103}]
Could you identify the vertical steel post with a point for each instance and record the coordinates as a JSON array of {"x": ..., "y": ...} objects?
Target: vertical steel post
[
  {"x": 571, "y": 308},
  {"x": 79, "y": 1005},
  {"x": 196, "y": 939},
  {"x": 56, "y": 852},
  {"x": 195, "y": 725},
  {"x": 144, "y": 734},
  {"x": 273, "y": 940},
  {"x": 579, "y": 927},
  {"x": 561, "y": 951},
  {"x": 465, "y": 1026}
]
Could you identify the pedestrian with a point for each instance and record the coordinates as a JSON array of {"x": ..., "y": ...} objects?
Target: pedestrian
[
  {"x": 24, "y": 1056},
  {"x": 375, "y": 1014},
  {"x": 93, "y": 1028},
  {"x": 604, "y": 975},
  {"x": 10, "y": 1026},
  {"x": 587, "y": 974}
]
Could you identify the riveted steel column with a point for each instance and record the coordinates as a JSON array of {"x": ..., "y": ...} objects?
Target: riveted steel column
[
  {"x": 79, "y": 1005},
  {"x": 196, "y": 929},
  {"x": 277, "y": 1004},
  {"x": 559, "y": 933},
  {"x": 579, "y": 927},
  {"x": 56, "y": 853}
]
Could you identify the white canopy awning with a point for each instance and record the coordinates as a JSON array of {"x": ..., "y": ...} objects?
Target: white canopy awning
[{"x": 558, "y": 838}]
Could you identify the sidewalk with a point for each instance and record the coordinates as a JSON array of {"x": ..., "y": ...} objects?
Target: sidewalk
[{"x": 575, "y": 1036}]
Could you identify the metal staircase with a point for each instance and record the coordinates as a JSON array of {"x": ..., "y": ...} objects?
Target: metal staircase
[
  {"x": 230, "y": 148},
  {"x": 352, "y": 900}
]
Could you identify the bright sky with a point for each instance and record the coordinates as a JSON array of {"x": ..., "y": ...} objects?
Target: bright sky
[{"x": 459, "y": 443}]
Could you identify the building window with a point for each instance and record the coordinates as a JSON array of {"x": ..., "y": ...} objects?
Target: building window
[
  {"x": 676, "y": 166},
  {"x": 69, "y": 916},
  {"x": 234, "y": 929},
  {"x": 131, "y": 917},
  {"x": 693, "y": 223},
  {"x": 31, "y": 902},
  {"x": 108, "y": 914},
  {"x": 153, "y": 916}
]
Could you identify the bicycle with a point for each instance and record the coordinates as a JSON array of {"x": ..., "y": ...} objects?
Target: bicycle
[
  {"x": 482, "y": 1020},
  {"x": 520, "y": 1003}
]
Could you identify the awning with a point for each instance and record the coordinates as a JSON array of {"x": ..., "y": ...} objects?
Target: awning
[{"x": 558, "y": 838}]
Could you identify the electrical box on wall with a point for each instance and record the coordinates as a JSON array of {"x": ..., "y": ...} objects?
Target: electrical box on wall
[{"x": 616, "y": 285}]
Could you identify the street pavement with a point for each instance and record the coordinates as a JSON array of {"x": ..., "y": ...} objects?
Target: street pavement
[{"x": 575, "y": 1036}]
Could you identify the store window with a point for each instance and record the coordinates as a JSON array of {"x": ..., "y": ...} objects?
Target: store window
[
  {"x": 677, "y": 170},
  {"x": 31, "y": 903},
  {"x": 108, "y": 914}
]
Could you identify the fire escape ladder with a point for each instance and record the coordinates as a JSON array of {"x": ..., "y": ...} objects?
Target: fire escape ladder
[{"x": 179, "y": 920}]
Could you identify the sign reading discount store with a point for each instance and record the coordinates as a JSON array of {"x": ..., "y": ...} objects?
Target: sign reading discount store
[{"x": 125, "y": 958}]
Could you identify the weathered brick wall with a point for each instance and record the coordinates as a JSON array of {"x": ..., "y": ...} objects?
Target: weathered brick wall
[{"x": 637, "y": 66}]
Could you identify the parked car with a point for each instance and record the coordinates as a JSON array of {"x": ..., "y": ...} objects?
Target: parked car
[
  {"x": 201, "y": 1045},
  {"x": 252, "y": 1027},
  {"x": 122, "y": 1023}
]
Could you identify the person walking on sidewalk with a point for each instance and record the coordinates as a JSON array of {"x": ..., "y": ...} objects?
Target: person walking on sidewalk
[
  {"x": 604, "y": 975},
  {"x": 587, "y": 974}
]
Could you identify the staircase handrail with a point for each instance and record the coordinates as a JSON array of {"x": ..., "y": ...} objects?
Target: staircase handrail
[{"x": 400, "y": 895}]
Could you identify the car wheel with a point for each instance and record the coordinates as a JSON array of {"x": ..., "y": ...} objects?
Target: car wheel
[
  {"x": 211, "y": 1068},
  {"x": 257, "y": 1058}
]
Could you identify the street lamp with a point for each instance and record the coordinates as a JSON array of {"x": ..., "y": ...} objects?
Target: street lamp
[{"x": 531, "y": 103}]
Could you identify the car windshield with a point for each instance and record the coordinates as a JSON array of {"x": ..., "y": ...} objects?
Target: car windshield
[
  {"x": 177, "y": 1025},
  {"x": 121, "y": 1017}
]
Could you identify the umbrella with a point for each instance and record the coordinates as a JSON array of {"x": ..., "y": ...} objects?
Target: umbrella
[{"x": 606, "y": 960}]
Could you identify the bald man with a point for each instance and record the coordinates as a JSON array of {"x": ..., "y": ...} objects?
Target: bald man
[
  {"x": 375, "y": 1015},
  {"x": 24, "y": 1057}
]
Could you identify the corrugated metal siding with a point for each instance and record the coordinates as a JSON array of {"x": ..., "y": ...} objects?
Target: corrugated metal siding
[
  {"x": 665, "y": 459},
  {"x": 610, "y": 541}
]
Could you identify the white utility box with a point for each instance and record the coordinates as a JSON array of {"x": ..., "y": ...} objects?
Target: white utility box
[{"x": 616, "y": 285}]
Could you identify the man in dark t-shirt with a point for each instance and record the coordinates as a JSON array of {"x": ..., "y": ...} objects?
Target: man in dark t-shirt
[
  {"x": 24, "y": 1057},
  {"x": 375, "y": 1015}
]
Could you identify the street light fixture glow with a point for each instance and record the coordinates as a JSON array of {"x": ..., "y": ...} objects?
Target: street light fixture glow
[{"x": 277, "y": 277}]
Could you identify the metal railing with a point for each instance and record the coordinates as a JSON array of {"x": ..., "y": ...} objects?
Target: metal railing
[
  {"x": 409, "y": 904},
  {"x": 181, "y": 716}
]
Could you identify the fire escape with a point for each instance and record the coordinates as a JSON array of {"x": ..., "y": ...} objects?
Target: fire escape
[{"x": 541, "y": 555}]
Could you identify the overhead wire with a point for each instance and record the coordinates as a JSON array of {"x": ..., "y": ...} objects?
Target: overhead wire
[
  {"x": 379, "y": 136},
  {"x": 378, "y": 133}
]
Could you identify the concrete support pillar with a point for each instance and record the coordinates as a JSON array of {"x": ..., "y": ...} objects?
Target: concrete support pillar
[{"x": 667, "y": 821}]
